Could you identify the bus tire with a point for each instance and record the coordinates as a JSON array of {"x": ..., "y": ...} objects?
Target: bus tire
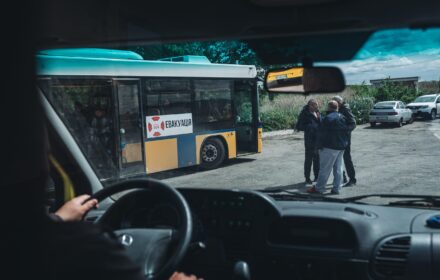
[{"x": 212, "y": 153}]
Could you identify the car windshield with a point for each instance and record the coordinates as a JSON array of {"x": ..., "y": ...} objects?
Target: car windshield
[
  {"x": 422, "y": 99},
  {"x": 197, "y": 115}
]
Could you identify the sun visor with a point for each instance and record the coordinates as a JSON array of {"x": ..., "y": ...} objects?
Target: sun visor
[{"x": 318, "y": 48}]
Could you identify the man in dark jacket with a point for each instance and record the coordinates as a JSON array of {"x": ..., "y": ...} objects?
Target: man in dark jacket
[
  {"x": 332, "y": 141},
  {"x": 351, "y": 123},
  {"x": 309, "y": 121}
]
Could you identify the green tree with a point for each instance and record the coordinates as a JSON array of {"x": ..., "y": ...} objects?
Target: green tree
[
  {"x": 225, "y": 52},
  {"x": 363, "y": 90},
  {"x": 389, "y": 90}
]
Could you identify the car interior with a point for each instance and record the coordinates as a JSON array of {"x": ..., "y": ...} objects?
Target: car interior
[{"x": 228, "y": 233}]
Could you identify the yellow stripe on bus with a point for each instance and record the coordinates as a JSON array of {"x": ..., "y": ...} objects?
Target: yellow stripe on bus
[
  {"x": 260, "y": 140},
  {"x": 161, "y": 155},
  {"x": 229, "y": 137}
]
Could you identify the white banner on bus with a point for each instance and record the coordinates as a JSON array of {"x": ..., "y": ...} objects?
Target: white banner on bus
[{"x": 169, "y": 125}]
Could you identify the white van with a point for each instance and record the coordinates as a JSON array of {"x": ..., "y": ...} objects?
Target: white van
[{"x": 427, "y": 106}]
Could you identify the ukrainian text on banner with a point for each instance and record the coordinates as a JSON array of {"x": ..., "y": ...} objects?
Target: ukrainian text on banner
[{"x": 169, "y": 125}]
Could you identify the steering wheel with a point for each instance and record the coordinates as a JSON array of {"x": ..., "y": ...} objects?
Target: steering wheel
[{"x": 147, "y": 246}]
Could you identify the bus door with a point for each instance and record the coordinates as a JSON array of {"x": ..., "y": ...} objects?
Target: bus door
[
  {"x": 129, "y": 126},
  {"x": 246, "y": 116}
]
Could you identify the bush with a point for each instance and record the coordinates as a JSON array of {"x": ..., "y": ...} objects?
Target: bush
[
  {"x": 274, "y": 120},
  {"x": 361, "y": 106},
  {"x": 281, "y": 113}
]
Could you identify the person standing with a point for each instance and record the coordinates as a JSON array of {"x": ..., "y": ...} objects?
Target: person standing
[
  {"x": 332, "y": 141},
  {"x": 308, "y": 121},
  {"x": 102, "y": 130},
  {"x": 344, "y": 109}
]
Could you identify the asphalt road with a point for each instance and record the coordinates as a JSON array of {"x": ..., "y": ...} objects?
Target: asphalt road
[{"x": 387, "y": 160}]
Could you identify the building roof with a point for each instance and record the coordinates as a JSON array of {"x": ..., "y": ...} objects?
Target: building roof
[{"x": 402, "y": 79}]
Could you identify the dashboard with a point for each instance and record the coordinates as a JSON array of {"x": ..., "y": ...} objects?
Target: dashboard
[{"x": 298, "y": 239}]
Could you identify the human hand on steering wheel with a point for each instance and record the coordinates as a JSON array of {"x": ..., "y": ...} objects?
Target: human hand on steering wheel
[{"x": 76, "y": 208}]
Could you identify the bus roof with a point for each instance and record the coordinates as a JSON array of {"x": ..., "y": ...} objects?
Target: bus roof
[
  {"x": 92, "y": 53},
  {"x": 116, "y": 63}
]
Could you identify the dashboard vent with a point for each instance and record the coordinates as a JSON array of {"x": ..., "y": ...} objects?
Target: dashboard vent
[{"x": 391, "y": 258}]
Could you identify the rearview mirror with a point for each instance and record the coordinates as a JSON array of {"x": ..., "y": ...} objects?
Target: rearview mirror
[{"x": 305, "y": 80}]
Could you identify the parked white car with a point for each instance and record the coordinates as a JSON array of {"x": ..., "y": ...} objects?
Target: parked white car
[
  {"x": 390, "y": 112},
  {"x": 427, "y": 106}
]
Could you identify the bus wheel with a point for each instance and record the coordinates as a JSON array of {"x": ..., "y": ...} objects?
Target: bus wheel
[{"x": 212, "y": 153}]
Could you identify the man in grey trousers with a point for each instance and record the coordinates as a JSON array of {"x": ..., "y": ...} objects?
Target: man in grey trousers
[
  {"x": 351, "y": 122},
  {"x": 333, "y": 138}
]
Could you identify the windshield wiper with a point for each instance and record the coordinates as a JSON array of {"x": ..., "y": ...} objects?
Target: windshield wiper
[
  {"x": 424, "y": 201},
  {"x": 288, "y": 195}
]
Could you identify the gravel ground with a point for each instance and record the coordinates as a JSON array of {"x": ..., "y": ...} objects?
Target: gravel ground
[{"x": 387, "y": 160}]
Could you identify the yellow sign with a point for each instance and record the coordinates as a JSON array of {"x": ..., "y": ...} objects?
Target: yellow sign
[{"x": 286, "y": 74}]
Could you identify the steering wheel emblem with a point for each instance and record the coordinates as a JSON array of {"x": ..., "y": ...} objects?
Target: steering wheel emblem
[{"x": 126, "y": 239}]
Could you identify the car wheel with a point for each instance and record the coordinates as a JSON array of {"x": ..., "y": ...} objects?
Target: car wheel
[
  {"x": 433, "y": 115},
  {"x": 212, "y": 153},
  {"x": 400, "y": 123},
  {"x": 372, "y": 124}
]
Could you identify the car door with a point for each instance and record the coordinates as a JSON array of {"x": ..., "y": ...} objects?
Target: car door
[
  {"x": 438, "y": 105},
  {"x": 245, "y": 100},
  {"x": 131, "y": 156},
  {"x": 406, "y": 113},
  {"x": 400, "y": 110}
]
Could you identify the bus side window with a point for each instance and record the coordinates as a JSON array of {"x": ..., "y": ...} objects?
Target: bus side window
[
  {"x": 85, "y": 107},
  {"x": 213, "y": 100},
  {"x": 167, "y": 97},
  {"x": 153, "y": 112},
  {"x": 243, "y": 95}
]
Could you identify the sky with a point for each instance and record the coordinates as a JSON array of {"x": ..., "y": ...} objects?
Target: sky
[{"x": 396, "y": 53}]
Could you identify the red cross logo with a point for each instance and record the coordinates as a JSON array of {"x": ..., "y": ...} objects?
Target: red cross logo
[{"x": 156, "y": 126}]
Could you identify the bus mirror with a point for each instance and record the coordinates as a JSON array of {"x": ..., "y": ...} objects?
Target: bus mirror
[{"x": 305, "y": 80}]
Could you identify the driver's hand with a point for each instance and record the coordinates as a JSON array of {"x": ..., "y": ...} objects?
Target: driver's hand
[
  {"x": 75, "y": 209},
  {"x": 183, "y": 276}
]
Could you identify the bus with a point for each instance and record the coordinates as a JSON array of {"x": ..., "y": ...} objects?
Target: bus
[{"x": 131, "y": 116}]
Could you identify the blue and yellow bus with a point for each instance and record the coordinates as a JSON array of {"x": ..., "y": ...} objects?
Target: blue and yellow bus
[{"x": 131, "y": 116}]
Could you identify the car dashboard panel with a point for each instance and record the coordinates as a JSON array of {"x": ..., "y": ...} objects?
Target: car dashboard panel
[
  {"x": 295, "y": 239},
  {"x": 312, "y": 232}
]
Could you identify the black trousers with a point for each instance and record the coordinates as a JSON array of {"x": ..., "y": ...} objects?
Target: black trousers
[
  {"x": 311, "y": 156},
  {"x": 349, "y": 163}
]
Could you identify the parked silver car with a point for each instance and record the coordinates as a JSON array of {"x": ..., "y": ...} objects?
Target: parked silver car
[{"x": 390, "y": 112}]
